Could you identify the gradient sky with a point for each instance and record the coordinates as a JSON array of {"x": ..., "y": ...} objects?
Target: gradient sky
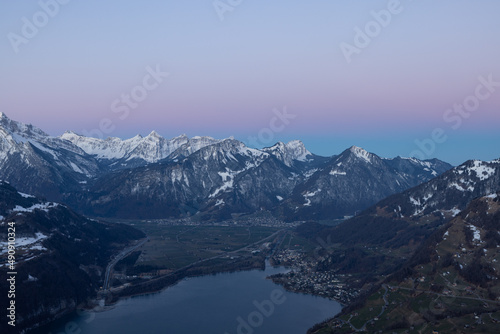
[{"x": 227, "y": 77}]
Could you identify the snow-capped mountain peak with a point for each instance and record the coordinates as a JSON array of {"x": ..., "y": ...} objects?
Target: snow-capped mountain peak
[
  {"x": 15, "y": 136},
  {"x": 149, "y": 149},
  {"x": 355, "y": 154},
  {"x": 25, "y": 150},
  {"x": 154, "y": 134},
  {"x": 290, "y": 152},
  {"x": 101, "y": 149},
  {"x": 21, "y": 132},
  {"x": 361, "y": 153},
  {"x": 298, "y": 150}
]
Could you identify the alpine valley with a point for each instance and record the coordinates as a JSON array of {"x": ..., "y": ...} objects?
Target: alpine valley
[{"x": 404, "y": 244}]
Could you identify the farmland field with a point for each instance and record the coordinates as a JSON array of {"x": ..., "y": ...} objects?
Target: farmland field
[{"x": 173, "y": 247}]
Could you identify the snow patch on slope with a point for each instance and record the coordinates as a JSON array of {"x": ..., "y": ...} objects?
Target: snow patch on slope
[
  {"x": 415, "y": 202},
  {"x": 44, "y": 207},
  {"x": 455, "y": 211},
  {"x": 459, "y": 187},
  {"x": 25, "y": 195},
  {"x": 336, "y": 172},
  {"x": 482, "y": 171},
  {"x": 310, "y": 194},
  {"x": 227, "y": 178},
  {"x": 25, "y": 242},
  {"x": 477, "y": 233}
]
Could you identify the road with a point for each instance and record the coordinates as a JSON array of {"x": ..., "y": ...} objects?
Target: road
[
  {"x": 121, "y": 255},
  {"x": 385, "y": 301},
  {"x": 445, "y": 295},
  {"x": 363, "y": 328}
]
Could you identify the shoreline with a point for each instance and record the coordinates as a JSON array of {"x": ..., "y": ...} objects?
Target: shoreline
[{"x": 93, "y": 306}]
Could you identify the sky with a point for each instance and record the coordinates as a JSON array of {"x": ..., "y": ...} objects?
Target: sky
[{"x": 408, "y": 78}]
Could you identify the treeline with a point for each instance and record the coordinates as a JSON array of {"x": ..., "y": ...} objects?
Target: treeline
[
  {"x": 477, "y": 272},
  {"x": 424, "y": 254}
]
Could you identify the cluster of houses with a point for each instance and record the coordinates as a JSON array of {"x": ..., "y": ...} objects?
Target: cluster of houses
[{"x": 305, "y": 278}]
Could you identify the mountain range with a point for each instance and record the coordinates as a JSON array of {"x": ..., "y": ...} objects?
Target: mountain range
[
  {"x": 154, "y": 177},
  {"x": 398, "y": 224}
]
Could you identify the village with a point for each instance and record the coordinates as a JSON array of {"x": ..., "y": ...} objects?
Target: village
[{"x": 303, "y": 277}]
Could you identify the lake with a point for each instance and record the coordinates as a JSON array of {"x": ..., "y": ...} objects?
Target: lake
[{"x": 231, "y": 303}]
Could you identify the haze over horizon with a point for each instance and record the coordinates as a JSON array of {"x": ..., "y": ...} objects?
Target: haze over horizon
[{"x": 231, "y": 77}]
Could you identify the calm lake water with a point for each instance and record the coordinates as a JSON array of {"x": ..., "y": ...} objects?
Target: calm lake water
[{"x": 236, "y": 303}]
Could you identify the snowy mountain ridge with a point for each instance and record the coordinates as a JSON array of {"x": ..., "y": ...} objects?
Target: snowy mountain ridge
[
  {"x": 14, "y": 134},
  {"x": 200, "y": 175},
  {"x": 294, "y": 150},
  {"x": 151, "y": 148}
]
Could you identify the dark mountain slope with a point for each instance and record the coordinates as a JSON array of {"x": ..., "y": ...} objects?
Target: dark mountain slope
[
  {"x": 60, "y": 256},
  {"x": 355, "y": 180}
]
